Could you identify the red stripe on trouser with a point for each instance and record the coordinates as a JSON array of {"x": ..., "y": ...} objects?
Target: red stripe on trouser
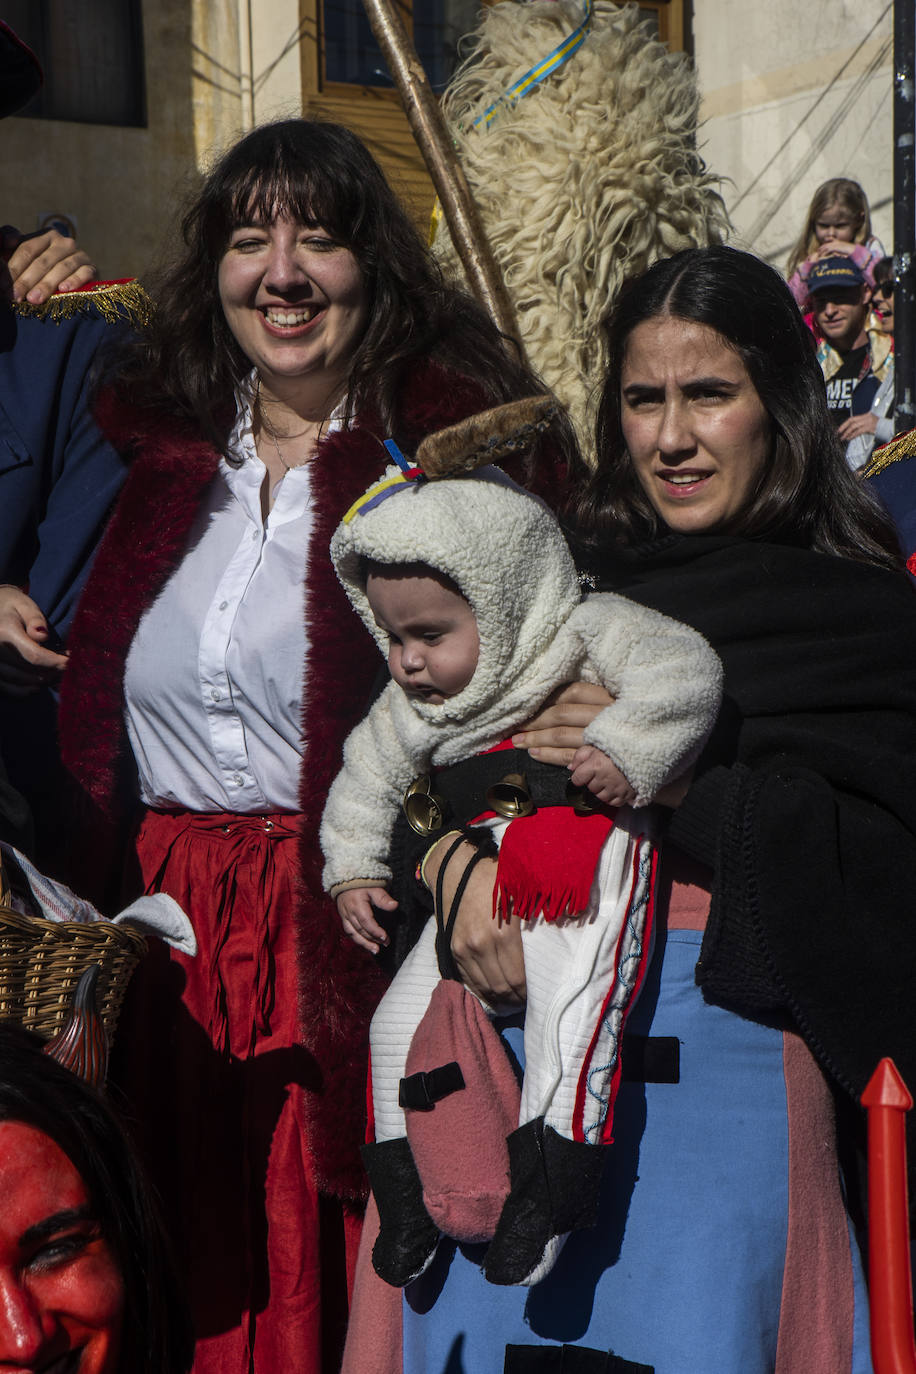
[{"x": 578, "y": 1124}]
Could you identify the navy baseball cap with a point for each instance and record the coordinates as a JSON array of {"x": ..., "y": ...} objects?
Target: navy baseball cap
[
  {"x": 830, "y": 273},
  {"x": 20, "y": 74}
]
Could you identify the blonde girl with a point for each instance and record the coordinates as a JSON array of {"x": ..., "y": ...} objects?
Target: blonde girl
[{"x": 838, "y": 223}]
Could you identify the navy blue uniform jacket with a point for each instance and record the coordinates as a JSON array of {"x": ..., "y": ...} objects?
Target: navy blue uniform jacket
[
  {"x": 58, "y": 480},
  {"x": 58, "y": 475},
  {"x": 892, "y": 474}
]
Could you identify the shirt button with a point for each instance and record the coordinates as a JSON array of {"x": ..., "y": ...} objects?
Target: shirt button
[
  {"x": 238, "y": 779},
  {"x": 223, "y": 605},
  {"x": 216, "y": 694},
  {"x": 254, "y": 534}
]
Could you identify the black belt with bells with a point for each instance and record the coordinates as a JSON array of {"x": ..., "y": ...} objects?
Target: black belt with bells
[{"x": 509, "y": 782}]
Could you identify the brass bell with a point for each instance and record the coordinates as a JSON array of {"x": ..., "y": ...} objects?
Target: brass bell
[
  {"x": 423, "y": 809},
  {"x": 510, "y": 797},
  {"x": 581, "y": 800}
]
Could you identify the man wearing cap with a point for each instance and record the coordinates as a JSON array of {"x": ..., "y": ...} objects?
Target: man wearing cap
[
  {"x": 58, "y": 475},
  {"x": 857, "y": 361}
]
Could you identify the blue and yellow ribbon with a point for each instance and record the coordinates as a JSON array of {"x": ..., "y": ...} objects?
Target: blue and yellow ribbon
[
  {"x": 561, "y": 53},
  {"x": 525, "y": 85}
]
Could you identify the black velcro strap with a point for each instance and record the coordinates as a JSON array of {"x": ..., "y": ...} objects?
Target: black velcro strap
[
  {"x": 421, "y": 1091},
  {"x": 443, "y": 945},
  {"x": 651, "y": 1059},
  {"x": 568, "y": 1359},
  {"x": 445, "y": 928}
]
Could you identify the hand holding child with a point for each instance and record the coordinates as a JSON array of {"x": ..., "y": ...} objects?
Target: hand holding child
[
  {"x": 555, "y": 732},
  {"x": 594, "y": 770},
  {"x": 354, "y": 906}
]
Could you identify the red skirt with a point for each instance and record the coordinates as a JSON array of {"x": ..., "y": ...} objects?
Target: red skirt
[{"x": 208, "y": 1053}]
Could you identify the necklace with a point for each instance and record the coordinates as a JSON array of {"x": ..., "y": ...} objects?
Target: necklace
[{"x": 268, "y": 428}]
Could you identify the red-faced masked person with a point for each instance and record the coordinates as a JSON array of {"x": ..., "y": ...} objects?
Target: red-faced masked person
[{"x": 86, "y": 1284}]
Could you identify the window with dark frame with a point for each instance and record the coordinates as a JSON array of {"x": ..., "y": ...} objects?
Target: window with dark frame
[
  {"x": 91, "y": 53},
  {"x": 351, "y": 55},
  {"x": 665, "y": 19}
]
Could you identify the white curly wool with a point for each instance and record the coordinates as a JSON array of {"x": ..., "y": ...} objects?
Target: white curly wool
[{"x": 586, "y": 181}]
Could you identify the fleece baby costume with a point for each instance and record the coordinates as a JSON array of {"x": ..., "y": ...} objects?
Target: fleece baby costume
[{"x": 505, "y": 552}]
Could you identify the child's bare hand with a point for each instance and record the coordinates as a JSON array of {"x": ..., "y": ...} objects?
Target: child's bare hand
[
  {"x": 835, "y": 248},
  {"x": 355, "y": 909},
  {"x": 594, "y": 770}
]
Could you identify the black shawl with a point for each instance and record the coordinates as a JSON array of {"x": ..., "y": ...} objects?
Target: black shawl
[{"x": 804, "y": 802}]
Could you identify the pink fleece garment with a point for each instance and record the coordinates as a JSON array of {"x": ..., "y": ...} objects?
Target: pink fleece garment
[{"x": 459, "y": 1147}]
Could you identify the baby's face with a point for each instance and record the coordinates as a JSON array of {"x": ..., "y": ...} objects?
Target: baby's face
[{"x": 433, "y": 632}]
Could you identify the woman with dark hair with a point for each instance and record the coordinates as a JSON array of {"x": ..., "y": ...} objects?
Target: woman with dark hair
[
  {"x": 319, "y": 177},
  {"x": 784, "y": 956},
  {"x": 799, "y": 490},
  {"x": 883, "y": 296},
  {"x": 86, "y": 1274},
  {"x": 216, "y": 668}
]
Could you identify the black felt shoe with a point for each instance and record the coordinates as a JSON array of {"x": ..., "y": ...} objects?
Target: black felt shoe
[
  {"x": 407, "y": 1238},
  {"x": 555, "y": 1186}
]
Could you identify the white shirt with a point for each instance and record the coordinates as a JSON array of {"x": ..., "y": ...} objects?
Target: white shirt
[{"x": 214, "y": 678}]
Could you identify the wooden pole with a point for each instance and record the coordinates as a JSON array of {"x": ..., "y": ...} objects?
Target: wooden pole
[
  {"x": 890, "y": 1295},
  {"x": 435, "y": 144}
]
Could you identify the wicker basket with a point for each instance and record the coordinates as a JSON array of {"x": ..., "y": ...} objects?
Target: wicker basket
[{"x": 41, "y": 961}]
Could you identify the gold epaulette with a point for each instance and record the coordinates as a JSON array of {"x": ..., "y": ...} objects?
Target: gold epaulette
[
  {"x": 904, "y": 447},
  {"x": 115, "y": 301}
]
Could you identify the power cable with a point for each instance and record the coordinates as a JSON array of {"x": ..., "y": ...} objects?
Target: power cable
[
  {"x": 801, "y": 169},
  {"x": 824, "y": 93}
]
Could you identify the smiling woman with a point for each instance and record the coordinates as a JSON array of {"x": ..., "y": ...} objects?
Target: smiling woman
[
  {"x": 295, "y": 301},
  {"x": 86, "y": 1281},
  {"x": 215, "y": 670},
  {"x": 61, "y": 1295}
]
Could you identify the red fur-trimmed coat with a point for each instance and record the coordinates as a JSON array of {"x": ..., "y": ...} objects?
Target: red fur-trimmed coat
[{"x": 171, "y": 468}]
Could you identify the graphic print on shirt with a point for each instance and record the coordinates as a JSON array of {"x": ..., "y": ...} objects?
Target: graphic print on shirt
[{"x": 843, "y": 386}]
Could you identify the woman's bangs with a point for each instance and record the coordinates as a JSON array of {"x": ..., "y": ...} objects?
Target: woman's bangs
[{"x": 302, "y": 195}]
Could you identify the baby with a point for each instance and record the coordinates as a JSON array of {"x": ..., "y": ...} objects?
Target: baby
[{"x": 469, "y": 588}]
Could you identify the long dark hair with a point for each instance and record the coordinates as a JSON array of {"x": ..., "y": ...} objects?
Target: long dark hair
[
  {"x": 883, "y": 270},
  {"x": 807, "y": 493},
  {"x": 189, "y": 363},
  {"x": 37, "y": 1091}
]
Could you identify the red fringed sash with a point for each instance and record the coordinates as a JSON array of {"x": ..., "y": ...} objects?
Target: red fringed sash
[{"x": 547, "y": 863}]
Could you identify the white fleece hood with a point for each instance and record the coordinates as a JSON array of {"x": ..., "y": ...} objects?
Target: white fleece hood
[{"x": 500, "y": 545}]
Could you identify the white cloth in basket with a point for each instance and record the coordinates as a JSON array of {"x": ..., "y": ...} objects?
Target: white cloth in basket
[{"x": 158, "y": 914}]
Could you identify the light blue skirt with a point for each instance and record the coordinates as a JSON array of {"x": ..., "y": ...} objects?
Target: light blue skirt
[{"x": 685, "y": 1271}]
